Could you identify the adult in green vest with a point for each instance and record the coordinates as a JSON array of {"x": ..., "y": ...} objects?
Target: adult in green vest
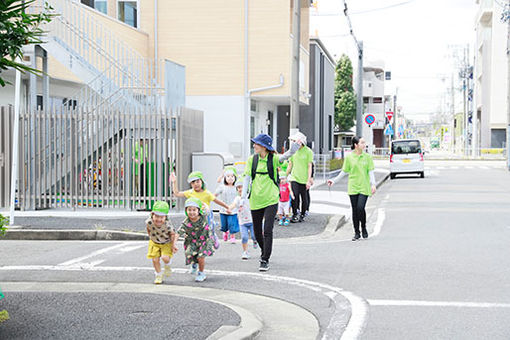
[
  {"x": 300, "y": 169},
  {"x": 140, "y": 157},
  {"x": 359, "y": 166},
  {"x": 261, "y": 181}
]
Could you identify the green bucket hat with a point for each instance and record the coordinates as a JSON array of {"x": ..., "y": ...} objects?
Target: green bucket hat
[
  {"x": 160, "y": 208},
  {"x": 196, "y": 175},
  {"x": 230, "y": 170},
  {"x": 194, "y": 202}
]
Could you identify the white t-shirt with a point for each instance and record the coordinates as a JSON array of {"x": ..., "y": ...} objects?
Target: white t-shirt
[
  {"x": 244, "y": 212},
  {"x": 227, "y": 193}
]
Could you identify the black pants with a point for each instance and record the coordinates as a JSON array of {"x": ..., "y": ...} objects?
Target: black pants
[
  {"x": 264, "y": 234},
  {"x": 359, "y": 216},
  {"x": 300, "y": 195}
]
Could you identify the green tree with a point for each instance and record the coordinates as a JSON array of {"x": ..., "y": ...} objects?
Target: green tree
[
  {"x": 345, "y": 99},
  {"x": 17, "y": 29}
]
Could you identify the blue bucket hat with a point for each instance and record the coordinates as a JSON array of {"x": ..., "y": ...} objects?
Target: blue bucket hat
[{"x": 264, "y": 140}]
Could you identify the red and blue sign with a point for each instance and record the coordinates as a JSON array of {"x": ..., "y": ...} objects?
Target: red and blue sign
[{"x": 369, "y": 119}]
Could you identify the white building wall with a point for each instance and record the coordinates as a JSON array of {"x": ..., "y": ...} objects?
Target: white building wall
[
  {"x": 223, "y": 122},
  {"x": 499, "y": 66}
]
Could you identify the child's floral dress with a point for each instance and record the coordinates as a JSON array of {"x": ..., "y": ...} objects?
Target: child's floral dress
[{"x": 198, "y": 239}]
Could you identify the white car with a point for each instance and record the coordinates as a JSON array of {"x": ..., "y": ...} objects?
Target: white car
[{"x": 406, "y": 157}]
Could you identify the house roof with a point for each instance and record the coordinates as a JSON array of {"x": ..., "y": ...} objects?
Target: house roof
[{"x": 318, "y": 41}]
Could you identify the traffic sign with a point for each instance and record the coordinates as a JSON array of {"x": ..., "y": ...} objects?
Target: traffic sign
[
  {"x": 389, "y": 130},
  {"x": 389, "y": 115},
  {"x": 369, "y": 119}
]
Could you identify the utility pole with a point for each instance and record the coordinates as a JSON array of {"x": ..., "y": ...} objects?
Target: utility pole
[
  {"x": 359, "y": 87},
  {"x": 507, "y": 18},
  {"x": 296, "y": 32},
  {"x": 359, "y": 90}
]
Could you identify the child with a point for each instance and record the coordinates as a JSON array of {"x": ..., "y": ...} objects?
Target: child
[
  {"x": 198, "y": 237},
  {"x": 227, "y": 193},
  {"x": 244, "y": 216},
  {"x": 284, "y": 203},
  {"x": 162, "y": 239},
  {"x": 198, "y": 190}
]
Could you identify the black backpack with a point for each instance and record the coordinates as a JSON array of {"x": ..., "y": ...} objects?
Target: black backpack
[{"x": 270, "y": 169}]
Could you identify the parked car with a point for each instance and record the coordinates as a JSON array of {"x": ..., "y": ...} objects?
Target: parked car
[{"x": 406, "y": 157}]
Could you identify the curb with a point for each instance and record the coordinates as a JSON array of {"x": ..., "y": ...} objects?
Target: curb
[{"x": 73, "y": 235}]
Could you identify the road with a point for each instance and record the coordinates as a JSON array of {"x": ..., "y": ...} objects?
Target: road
[{"x": 435, "y": 266}]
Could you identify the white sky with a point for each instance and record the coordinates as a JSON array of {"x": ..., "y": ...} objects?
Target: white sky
[{"x": 411, "y": 38}]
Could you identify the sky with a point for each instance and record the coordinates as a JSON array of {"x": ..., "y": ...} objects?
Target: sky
[{"x": 412, "y": 37}]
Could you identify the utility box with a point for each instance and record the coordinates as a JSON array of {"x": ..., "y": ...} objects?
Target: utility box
[{"x": 211, "y": 164}]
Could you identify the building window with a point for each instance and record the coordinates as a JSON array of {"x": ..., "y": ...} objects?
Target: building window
[
  {"x": 366, "y": 100},
  {"x": 387, "y": 75},
  {"x": 377, "y": 100},
  {"x": 128, "y": 13},
  {"x": 253, "y": 106},
  {"x": 100, "y": 5}
]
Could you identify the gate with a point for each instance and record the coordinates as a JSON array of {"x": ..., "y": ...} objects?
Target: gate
[{"x": 71, "y": 158}]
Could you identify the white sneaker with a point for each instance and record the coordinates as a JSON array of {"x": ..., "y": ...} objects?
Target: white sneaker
[{"x": 245, "y": 255}]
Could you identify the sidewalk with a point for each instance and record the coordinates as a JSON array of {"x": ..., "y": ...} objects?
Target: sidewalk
[{"x": 108, "y": 224}]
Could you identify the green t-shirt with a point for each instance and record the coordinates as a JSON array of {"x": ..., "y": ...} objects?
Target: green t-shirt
[
  {"x": 139, "y": 153},
  {"x": 358, "y": 167},
  {"x": 300, "y": 161},
  {"x": 264, "y": 191}
]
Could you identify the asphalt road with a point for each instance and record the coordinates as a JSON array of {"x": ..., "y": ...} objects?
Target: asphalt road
[{"x": 436, "y": 265}]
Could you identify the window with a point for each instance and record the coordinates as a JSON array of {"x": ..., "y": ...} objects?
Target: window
[
  {"x": 366, "y": 100},
  {"x": 253, "y": 106},
  {"x": 128, "y": 13},
  {"x": 406, "y": 147},
  {"x": 100, "y": 5},
  {"x": 377, "y": 100}
]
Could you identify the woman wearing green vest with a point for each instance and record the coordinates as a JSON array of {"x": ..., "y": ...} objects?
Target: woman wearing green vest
[
  {"x": 359, "y": 166},
  {"x": 261, "y": 178}
]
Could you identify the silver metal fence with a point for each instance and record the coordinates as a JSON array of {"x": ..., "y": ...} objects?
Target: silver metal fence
[
  {"x": 6, "y": 127},
  {"x": 121, "y": 160}
]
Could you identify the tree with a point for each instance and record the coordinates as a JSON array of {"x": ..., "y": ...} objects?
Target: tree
[
  {"x": 345, "y": 99},
  {"x": 17, "y": 29}
]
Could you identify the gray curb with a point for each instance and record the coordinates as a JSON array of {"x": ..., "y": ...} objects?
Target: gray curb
[{"x": 73, "y": 235}]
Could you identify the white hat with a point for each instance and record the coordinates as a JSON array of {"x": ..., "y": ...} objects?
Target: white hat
[{"x": 298, "y": 137}]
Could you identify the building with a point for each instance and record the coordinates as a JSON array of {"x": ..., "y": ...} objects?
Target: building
[
  {"x": 236, "y": 59},
  {"x": 374, "y": 103},
  {"x": 316, "y": 120},
  {"x": 490, "y": 77}
]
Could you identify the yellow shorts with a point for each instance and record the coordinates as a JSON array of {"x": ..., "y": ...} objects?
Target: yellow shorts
[{"x": 158, "y": 250}]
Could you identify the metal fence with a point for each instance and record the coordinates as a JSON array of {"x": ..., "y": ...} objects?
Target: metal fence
[
  {"x": 77, "y": 159},
  {"x": 6, "y": 127}
]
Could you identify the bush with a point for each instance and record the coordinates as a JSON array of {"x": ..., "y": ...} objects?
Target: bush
[
  {"x": 4, "y": 221},
  {"x": 335, "y": 164}
]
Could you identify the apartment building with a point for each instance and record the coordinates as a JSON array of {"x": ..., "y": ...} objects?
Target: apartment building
[
  {"x": 490, "y": 77},
  {"x": 316, "y": 120},
  {"x": 235, "y": 57},
  {"x": 374, "y": 103}
]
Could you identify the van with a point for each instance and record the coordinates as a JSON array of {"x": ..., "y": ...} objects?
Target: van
[{"x": 406, "y": 157}]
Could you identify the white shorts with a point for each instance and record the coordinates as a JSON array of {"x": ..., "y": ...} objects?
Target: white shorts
[{"x": 284, "y": 208}]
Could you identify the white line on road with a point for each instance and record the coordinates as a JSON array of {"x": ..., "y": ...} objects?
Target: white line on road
[
  {"x": 418, "y": 303},
  {"x": 94, "y": 253},
  {"x": 381, "y": 216},
  {"x": 359, "y": 307}
]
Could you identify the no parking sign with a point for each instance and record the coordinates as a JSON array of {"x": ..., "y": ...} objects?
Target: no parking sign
[{"x": 369, "y": 119}]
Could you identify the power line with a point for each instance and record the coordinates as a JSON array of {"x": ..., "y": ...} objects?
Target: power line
[{"x": 383, "y": 8}]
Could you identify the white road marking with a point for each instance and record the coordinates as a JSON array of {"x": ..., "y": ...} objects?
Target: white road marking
[
  {"x": 94, "y": 253},
  {"x": 483, "y": 167},
  {"x": 469, "y": 167},
  {"x": 454, "y": 167},
  {"x": 418, "y": 303},
  {"x": 381, "y": 216},
  {"x": 359, "y": 307},
  {"x": 130, "y": 248}
]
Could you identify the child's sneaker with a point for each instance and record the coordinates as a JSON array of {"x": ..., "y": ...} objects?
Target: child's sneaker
[
  {"x": 245, "y": 255},
  {"x": 232, "y": 239},
  {"x": 193, "y": 269},
  {"x": 281, "y": 222},
  {"x": 255, "y": 245},
  {"x": 225, "y": 236},
  {"x": 286, "y": 223},
  {"x": 216, "y": 241},
  {"x": 200, "y": 277},
  {"x": 159, "y": 279},
  {"x": 167, "y": 271}
]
